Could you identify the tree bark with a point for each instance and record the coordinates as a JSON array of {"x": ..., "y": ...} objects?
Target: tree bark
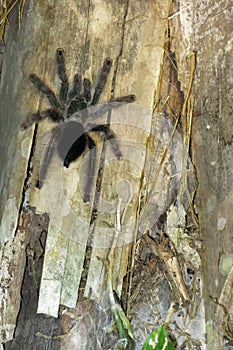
[
  {"x": 213, "y": 146},
  {"x": 174, "y": 244},
  {"x": 132, "y": 35}
]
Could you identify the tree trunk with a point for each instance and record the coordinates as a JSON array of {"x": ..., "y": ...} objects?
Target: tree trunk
[
  {"x": 213, "y": 145},
  {"x": 146, "y": 226}
]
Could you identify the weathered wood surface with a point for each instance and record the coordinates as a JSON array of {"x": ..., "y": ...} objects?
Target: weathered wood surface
[
  {"x": 212, "y": 138},
  {"x": 133, "y": 35},
  {"x": 206, "y": 27}
]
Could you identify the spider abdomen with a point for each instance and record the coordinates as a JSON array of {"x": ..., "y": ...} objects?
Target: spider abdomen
[{"x": 72, "y": 142}]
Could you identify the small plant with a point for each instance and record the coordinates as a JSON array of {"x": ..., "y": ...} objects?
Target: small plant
[{"x": 158, "y": 340}]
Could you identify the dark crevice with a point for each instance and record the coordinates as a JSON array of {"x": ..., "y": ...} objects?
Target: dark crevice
[
  {"x": 103, "y": 153},
  {"x": 84, "y": 275},
  {"x": 29, "y": 323},
  {"x": 86, "y": 44},
  {"x": 88, "y": 252},
  {"x": 27, "y": 180},
  {"x": 126, "y": 282},
  {"x": 121, "y": 49}
]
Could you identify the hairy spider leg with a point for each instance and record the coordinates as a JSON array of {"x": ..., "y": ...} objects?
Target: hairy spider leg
[
  {"x": 124, "y": 99},
  {"x": 30, "y": 120},
  {"x": 91, "y": 169},
  {"x": 46, "y": 159},
  {"x": 101, "y": 80},
  {"x": 53, "y": 114},
  {"x": 75, "y": 105},
  {"x": 76, "y": 89},
  {"x": 79, "y": 101},
  {"x": 45, "y": 89},
  {"x": 105, "y": 128},
  {"x": 109, "y": 135},
  {"x": 60, "y": 56},
  {"x": 87, "y": 89},
  {"x": 108, "y": 106}
]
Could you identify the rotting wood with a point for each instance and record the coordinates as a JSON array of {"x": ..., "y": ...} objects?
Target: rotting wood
[
  {"x": 133, "y": 46},
  {"x": 136, "y": 74},
  {"x": 212, "y": 144}
]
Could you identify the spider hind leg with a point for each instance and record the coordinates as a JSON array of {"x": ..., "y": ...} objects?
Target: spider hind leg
[
  {"x": 46, "y": 160},
  {"x": 110, "y": 136}
]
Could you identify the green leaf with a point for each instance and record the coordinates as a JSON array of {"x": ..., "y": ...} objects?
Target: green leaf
[{"x": 158, "y": 340}]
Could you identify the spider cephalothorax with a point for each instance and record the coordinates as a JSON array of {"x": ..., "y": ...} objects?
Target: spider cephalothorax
[{"x": 74, "y": 112}]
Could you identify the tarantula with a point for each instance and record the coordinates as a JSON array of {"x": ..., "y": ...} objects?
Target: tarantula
[{"x": 73, "y": 112}]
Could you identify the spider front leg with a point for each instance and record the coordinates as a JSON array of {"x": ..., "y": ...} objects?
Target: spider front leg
[
  {"x": 53, "y": 114},
  {"x": 101, "y": 80},
  {"x": 60, "y": 55},
  {"x": 76, "y": 90},
  {"x": 45, "y": 89}
]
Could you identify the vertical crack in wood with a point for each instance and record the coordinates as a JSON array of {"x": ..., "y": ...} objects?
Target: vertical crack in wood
[
  {"x": 86, "y": 44},
  {"x": 27, "y": 180},
  {"x": 101, "y": 165},
  {"x": 120, "y": 53},
  {"x": 103, "y": 153}
]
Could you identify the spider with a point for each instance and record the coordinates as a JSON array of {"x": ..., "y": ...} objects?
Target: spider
[{"x": 73, "y": 112}]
